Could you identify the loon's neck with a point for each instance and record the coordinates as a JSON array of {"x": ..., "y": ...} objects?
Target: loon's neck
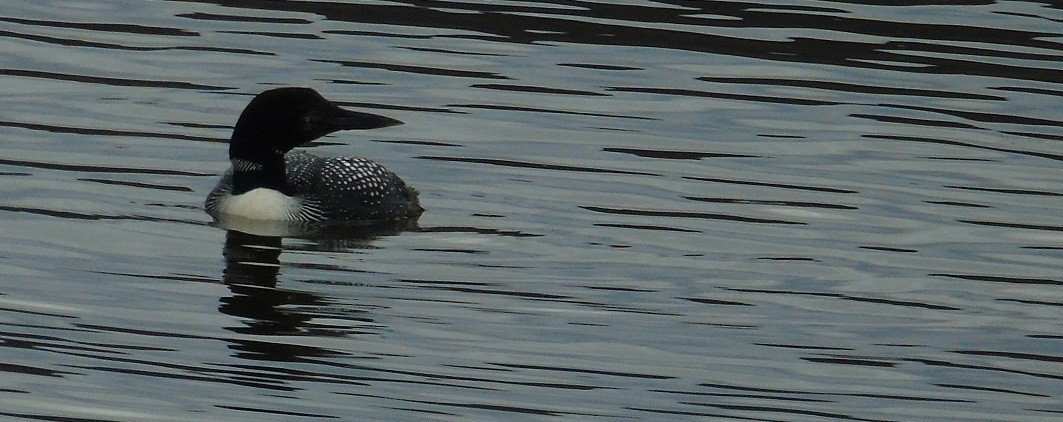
[{"x": 259, "y": 172}]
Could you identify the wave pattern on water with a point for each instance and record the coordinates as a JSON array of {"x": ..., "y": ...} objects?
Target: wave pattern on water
[{"x": 635, "y": 210}]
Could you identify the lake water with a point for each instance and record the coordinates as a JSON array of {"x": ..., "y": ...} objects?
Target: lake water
[{"x": 635, "y": 211}]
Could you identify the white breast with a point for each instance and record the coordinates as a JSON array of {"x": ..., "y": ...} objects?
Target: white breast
[{"x": 260, "y": 204}]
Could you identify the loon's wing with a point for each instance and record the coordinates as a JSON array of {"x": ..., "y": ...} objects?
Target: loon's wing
[{"x": 349, "y": 188}]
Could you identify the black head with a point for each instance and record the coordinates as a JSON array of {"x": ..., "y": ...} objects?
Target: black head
[{"x": 283, "y": 118}]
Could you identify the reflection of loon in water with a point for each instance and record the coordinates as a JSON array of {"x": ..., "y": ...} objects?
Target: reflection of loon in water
[
  {"x": 266, "y": 184},
  {"x": 252, "y": 265}
]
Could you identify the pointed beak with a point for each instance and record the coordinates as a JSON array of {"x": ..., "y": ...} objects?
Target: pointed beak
[{"x": 343, "y": 119}]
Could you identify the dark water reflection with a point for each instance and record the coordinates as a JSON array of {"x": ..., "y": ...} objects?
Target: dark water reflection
[
  {"x": 635, "y": 210},
  {"x": 251, "y": 267}
]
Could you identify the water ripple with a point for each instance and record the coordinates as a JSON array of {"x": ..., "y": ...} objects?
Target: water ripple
[
  {"x": 687, "y": 214},
  {"x": 104, "y": 80},
  {"x": 679, "y": 209}
]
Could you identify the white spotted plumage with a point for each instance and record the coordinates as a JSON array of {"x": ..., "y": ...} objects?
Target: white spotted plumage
[{"x": 341, "y": 188}]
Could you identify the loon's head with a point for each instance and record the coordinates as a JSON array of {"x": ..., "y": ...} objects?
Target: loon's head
[{"x": 280, "y": 119}]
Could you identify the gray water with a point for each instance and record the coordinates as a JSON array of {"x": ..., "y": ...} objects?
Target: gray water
[{"x": 635, "y": 211}]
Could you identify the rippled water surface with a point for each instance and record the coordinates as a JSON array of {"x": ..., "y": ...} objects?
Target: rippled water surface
[{"x": 635, "y": 211}]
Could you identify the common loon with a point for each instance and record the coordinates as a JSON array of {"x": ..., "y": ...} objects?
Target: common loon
[{"x": 264, "y": 183}]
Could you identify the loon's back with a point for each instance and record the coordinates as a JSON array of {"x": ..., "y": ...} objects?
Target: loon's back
[{"x": 330, "y": 189}]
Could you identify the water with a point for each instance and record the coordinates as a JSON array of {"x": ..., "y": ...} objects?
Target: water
[{"x": 635, "y": 211}]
